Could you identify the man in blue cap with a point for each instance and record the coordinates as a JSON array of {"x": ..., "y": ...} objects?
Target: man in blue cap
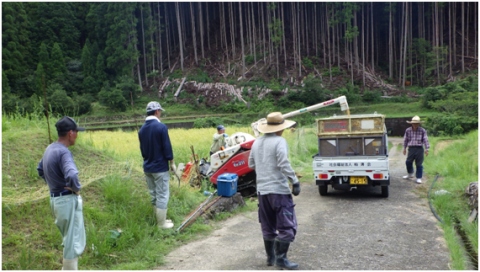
[
  {"x": 60, "y": 173},
  {"x": 219, "y": 142}
]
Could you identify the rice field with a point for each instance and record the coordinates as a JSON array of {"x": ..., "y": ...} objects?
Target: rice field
[{"x": 124, "y": 145}]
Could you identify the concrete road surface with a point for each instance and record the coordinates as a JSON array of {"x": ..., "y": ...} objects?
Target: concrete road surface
[{"x": 356, "y": 230}]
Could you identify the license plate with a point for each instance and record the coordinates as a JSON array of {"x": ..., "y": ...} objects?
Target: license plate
[{"x": 358, "y": 181}]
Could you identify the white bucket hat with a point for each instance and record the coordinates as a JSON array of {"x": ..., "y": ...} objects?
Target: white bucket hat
[
  {"x": 274, "y": 122},
  {"x": 415, "y": 120}
]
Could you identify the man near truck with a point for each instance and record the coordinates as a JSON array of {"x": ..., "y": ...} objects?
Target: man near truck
[
  {"x": 268, "y": 157},
  {"x": 415, "y": 139}
]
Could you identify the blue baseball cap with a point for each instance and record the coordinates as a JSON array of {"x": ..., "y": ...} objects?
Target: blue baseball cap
[{"x": 219, "y": 127}]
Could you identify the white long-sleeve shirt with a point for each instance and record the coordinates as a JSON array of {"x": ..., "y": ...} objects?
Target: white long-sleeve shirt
[{"x": 269, "y": 158}]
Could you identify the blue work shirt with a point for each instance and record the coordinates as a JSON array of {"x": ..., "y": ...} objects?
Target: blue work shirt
[
  {"x": 58, "y": 169},
  {"x": 155, "y": 146}
]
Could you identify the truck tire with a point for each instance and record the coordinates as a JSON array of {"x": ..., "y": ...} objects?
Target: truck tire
[
  {"x": 323, "y": 190},
  {"x": 384, "y": 191}
]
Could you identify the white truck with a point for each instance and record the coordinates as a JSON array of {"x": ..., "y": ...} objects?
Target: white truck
[{"x": 352, "y": 152}]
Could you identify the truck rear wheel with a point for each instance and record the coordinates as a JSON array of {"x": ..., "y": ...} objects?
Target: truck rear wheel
[
  {"x": 323, "y": 190},
  {"x": 384, "y": 191}
]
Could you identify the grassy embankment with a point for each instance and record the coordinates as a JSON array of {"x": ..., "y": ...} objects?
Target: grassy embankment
[
  {"x": 115, "y": 195},
  {"x": 455, "y": 161}
]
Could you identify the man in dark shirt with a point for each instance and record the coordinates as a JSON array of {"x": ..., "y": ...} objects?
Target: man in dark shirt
[
  {"x": 415, "y": 138},
  {"x": 59, "y": 171},
  {"x": 157, "y": 156}
]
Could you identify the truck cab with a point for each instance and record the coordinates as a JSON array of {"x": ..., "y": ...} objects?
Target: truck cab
[{"x": 352, "y": 152}]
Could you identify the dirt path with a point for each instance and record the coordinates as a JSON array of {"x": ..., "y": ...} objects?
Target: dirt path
[{"x": 342, "y": 231}]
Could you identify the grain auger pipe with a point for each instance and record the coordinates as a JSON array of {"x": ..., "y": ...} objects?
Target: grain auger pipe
[{"x": 342, "y": 100}]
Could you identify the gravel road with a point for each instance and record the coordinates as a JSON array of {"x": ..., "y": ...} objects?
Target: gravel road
[{"x": 355, "y": 230}]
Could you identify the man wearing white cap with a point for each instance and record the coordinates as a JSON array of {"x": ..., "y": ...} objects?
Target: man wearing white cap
[
  {"x": 269, "y": 158},
  {"x": 157, "y": 154},
  {"x": 415, "y": 139}
]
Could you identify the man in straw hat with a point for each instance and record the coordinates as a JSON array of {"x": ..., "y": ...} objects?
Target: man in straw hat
[
  {"x": 415, "y": 139},
  {"x": 276, "y": 212}
]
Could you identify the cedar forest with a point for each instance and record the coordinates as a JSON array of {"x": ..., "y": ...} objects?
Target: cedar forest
[{"x": 105, "y": 51}]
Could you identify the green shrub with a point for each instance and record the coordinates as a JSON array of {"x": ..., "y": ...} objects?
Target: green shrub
[
  {"x": 371, "y": 96},
  {"x": 113, "y": 99},
  {"x": 208, "y": 122},
  {"x": 335, "y": 71},
  {"x": 176, "y": 74},
  {"x": 60, "y": 102},
  {"x": 199, "y": 76},
  {"x": 307, "y": 63},
  {"x": 447, "y": 124},
  {"x": 352, "y": 95},
  {"x": 10, "y": 102},
  {"x": 249, "y": 59}
]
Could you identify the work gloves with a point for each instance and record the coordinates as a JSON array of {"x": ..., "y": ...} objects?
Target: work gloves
[{"x": 296, "y": 189}]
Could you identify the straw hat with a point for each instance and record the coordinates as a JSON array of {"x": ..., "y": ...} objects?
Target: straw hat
[
  {"x": 274, "y": 122},
  {"x": 415, "y": 120}
]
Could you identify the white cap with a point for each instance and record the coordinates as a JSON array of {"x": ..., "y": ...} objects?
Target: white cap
[{"x": 153, "y": 106}]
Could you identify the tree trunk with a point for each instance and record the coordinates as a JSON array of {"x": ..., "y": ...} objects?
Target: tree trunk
[
  {"x": 232, "y": 31},
  {"x": 241, "y": 39},
  {"x": 254, "y": 34},
  {"x": 330, "y": 48},
  {"x": 143, "y": 47},
  {"x": 200, "y": 12},
  {"x": 283, "y": 31},
  {"x": 299, "y": 43},
  {"x": 208, "y": 28},
  {"x": 294, "y": 33},
  {"x": 194, "y": 39},
  {"x": 450, "y": 38},
  {"x": 225, "y": 38},
  {"x": 363, "y": 45},
  {"x": 160, "y": 49},
  {"x": 371, "y": 36},
  {"x": 404, "y": 72},
  {"x": 167, "y": 35},
  {"x": 436, "y": 43},
  {"x": 463, "y": 37},
  {"x": 179, "y": 34},
  {"x": 390, "y": 44}
]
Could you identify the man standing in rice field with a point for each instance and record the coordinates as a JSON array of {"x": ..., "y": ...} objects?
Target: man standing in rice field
[
  {"x": 157, "y": 154},
  {"x": 60, "y": 173},
  {"x": 219, "y": 140}
]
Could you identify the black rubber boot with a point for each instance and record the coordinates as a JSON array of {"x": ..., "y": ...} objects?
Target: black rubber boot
[
  {"x": 281, "y": 249},
  {"x": 270, "y": 249}
]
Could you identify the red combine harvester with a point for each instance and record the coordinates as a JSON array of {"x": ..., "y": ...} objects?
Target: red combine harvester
[{"x": 234, "y": 159}]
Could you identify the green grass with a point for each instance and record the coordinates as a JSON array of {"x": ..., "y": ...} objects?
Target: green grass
[{"x": 457, "y": 166}]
